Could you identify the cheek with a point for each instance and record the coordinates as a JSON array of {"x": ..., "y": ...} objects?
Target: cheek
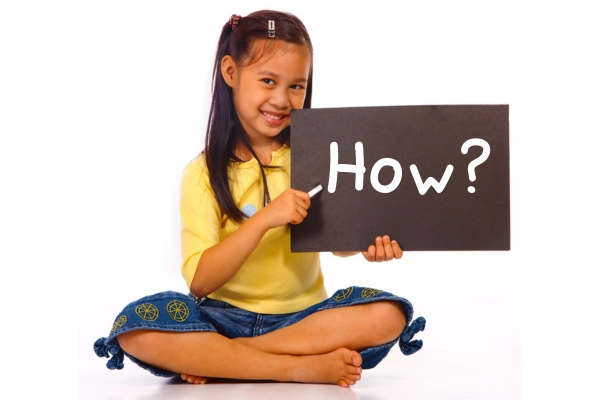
[
  {"x": 242, "y": 101},
  {"x": 298, "y": 100}
]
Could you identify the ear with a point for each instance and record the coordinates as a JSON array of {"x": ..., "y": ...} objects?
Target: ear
[{"x": 228, "y": 70}]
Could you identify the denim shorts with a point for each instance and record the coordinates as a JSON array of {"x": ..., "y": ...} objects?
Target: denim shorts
[{"x": 177, "y": 312}]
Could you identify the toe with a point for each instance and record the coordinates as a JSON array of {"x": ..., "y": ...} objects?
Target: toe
[
  {"x": 353, "y": 357},
  {"x": 354, "y": 377},
  {"x": 349, "y": 381},
  {"x": 343, "y": 383}
]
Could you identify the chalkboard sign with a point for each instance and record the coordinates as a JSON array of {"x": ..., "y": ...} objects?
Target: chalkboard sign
[{"x": 431, "y": 177}]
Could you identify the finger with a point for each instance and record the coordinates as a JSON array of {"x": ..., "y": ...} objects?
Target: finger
[
  {"x": 296, "y": 198},
  {"x": 397, "y": 250},
  {"x": 387, "y": 247},
  {"x": 369, "y": 255},
  {"x": 302, "y": 211},
  {"x": 289, "y": 196},
  {"x": 301, "y": 195},
  {"x": 380, "y": 250},
  {"x": 303, "y": 201},
  {"x": 298, "y": 213}
]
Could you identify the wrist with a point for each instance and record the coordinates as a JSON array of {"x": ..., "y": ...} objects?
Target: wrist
[{"x": 259, "y": 222}]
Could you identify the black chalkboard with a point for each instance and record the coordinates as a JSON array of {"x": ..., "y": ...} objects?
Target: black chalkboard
[{"x": 405, "y": 142}]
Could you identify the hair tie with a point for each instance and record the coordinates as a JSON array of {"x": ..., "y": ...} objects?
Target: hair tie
[{"x": 234, "y": 20}]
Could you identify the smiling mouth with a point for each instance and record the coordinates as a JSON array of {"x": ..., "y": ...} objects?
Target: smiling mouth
[{"x": 274, "y": 117}]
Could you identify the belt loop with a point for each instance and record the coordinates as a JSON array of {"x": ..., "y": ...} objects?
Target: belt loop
[{"x": 258, "y": 325}]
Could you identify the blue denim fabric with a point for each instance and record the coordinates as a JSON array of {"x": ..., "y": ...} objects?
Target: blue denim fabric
[{"x": 176, "y": 312}]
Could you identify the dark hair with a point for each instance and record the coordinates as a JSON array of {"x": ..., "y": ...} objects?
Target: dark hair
[{"x": 224, "y": 129}]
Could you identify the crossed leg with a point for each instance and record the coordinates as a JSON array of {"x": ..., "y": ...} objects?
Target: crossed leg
[
  {"x": 355, "y": 327},
  {"x": 289, "y": 354}
]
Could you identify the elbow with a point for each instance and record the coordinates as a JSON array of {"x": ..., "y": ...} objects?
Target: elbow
[
  {"x": 206, "y": 279},
  {"x": 199, "y": 286},
  {"x": 202, "y": 285},
  {"x": 199, "y": 290},
  {"x": 200, "y": 294}
]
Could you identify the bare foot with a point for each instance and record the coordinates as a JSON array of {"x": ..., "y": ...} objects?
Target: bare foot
[
  {"x": 341, "y": 367},
  {"x": 196, "y": 380}
]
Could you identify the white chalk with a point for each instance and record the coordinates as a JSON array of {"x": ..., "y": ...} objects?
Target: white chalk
[{"x": 315, "y": 191}]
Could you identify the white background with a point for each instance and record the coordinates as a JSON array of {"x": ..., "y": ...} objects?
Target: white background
[{"x": 102, "y": 104}]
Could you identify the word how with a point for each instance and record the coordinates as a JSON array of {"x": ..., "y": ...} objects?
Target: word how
[{"x": 423, "y": 186}]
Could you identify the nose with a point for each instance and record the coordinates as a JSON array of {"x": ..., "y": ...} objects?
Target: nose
[{"x": 280, "y": 99}]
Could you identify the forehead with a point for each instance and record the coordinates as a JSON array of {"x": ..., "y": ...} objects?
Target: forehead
[{"x": 264, "y": 50}]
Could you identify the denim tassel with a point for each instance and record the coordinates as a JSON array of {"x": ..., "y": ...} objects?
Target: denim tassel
[
  {"x": 409, "y": 347},
  {"x": 104, "y": 350}
]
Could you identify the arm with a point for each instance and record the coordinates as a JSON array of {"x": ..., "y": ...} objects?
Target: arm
[
  {"x": 219, "y": 263},
  {"x": 384, "y": 249}
]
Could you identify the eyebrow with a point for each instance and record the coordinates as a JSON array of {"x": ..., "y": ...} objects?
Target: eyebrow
[{"x": 273, "y": 75}]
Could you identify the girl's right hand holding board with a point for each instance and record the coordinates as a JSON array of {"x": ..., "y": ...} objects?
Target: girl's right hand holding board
[{"x": 384, "y": 249}]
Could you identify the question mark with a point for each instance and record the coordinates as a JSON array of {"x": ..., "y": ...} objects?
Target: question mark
[{"x": 478, "y": 161}]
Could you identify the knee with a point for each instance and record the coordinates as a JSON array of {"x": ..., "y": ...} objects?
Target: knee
[
  {"x": 390, "y": 319},
  {"x": 137, "y": 342}
]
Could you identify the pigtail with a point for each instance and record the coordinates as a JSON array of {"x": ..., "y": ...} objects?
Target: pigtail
[{"x": 219, "y": 141}]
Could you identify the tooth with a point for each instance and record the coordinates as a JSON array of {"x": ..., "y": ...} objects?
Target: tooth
[{"x": 273, "y": 116}]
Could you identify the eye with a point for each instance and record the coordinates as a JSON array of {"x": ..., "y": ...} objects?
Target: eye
[
  {"x": 297, "y": 87},
  {"x": 268, "y": 81}
]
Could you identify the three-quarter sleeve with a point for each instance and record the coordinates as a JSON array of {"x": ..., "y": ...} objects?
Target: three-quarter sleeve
[{"x": 200, "y": 217}]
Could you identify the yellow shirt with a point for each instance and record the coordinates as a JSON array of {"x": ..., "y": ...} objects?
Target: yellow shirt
[{"x": 273, "y": 280}]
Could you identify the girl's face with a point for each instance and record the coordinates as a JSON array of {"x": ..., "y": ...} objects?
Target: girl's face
[{"x": 266, "y": 91}]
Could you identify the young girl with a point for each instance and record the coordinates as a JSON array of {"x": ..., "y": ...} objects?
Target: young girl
[{"x": 256, "y": 310}]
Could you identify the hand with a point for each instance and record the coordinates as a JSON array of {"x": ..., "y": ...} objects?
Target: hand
[
  {"x": 290, "y": 207},
  {"x": 384, "y": 249}
]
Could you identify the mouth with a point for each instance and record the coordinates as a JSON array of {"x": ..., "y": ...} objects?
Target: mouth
[{"x": 274, "y": 118}]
